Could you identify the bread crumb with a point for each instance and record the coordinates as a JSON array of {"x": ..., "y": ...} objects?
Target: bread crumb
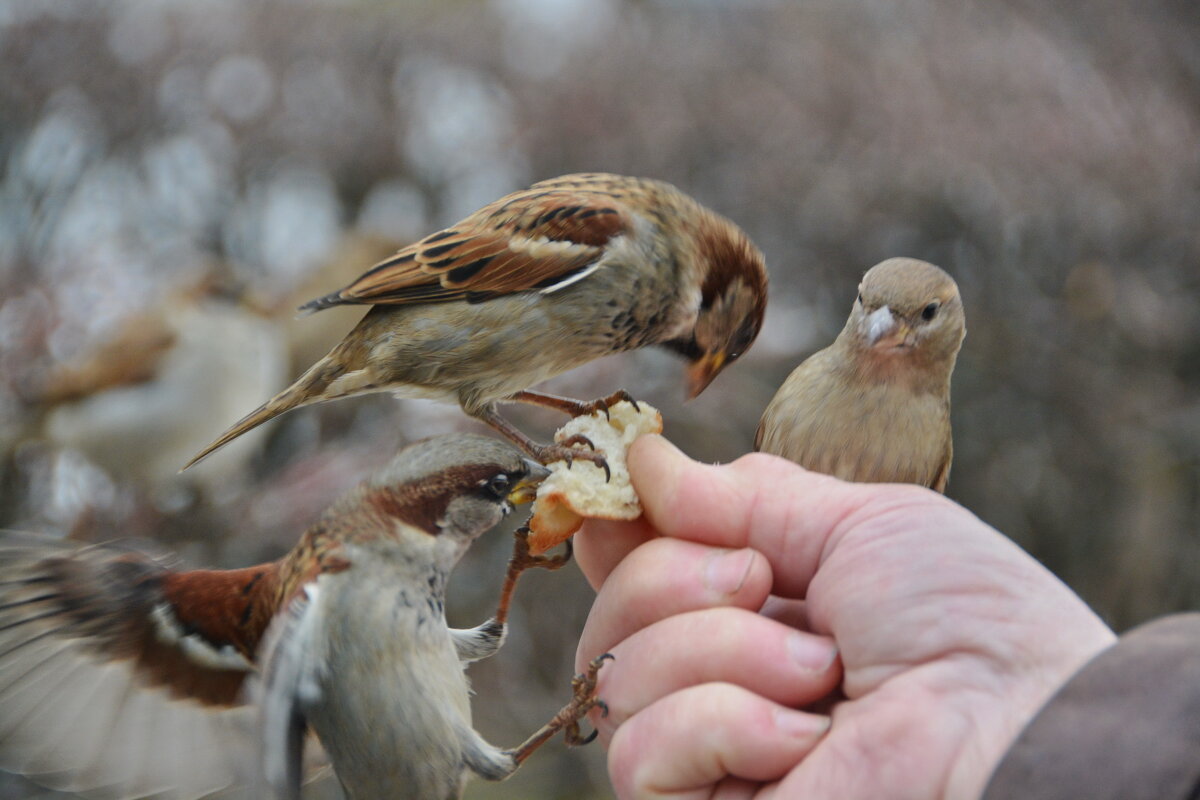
[{"x": 571, "y": 494}]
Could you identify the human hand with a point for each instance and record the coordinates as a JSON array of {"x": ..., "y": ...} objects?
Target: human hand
[{"x": 950, "y": 637}]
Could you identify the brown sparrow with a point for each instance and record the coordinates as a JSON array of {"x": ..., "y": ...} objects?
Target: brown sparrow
[
  {"x": 875, "y": 405},
  {"x": 121, "y": 673},
  {"x": 532, "y": 285}
]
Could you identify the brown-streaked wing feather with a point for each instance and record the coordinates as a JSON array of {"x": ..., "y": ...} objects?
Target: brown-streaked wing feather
[
  {"x": 102, "y": 684},
  {"x": 193, "y": 632},
  {"x": 528, "y": 240}
]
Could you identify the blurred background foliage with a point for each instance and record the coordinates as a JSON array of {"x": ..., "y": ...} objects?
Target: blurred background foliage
[{"x": 177, "y": 175}]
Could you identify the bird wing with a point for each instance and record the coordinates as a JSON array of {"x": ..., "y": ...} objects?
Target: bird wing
[
  {"x": 101, "y": 687},
  {"x": 293, "y": 663},
  {"x": 539, "y": 239}
]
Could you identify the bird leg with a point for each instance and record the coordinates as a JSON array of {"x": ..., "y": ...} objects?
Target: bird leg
[
  {"x": 473, "y": 644},
  {"x": 522, "y": 560},
  {"x": 546, "y": 453},
  {"x": 575, "y": 408},
  {"x": 584, "y": 699}
]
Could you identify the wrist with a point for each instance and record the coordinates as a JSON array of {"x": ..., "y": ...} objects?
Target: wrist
[{"x": 996, "y": 711}]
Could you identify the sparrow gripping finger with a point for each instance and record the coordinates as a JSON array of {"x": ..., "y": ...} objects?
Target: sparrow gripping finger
[
  {"x": 583, "y": 700},
  {"x": 584, "y": 686}
]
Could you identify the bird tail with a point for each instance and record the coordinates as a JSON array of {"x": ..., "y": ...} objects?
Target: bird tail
[
  {"x": 320, "y": 304},
  {"x": 309, "y": 388}
]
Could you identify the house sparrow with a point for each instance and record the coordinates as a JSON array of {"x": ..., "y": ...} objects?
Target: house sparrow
[
  {"x": 875, "y": 405},
  {"x": 532, "y": 285},
  {"x": 123, "y": 674}
]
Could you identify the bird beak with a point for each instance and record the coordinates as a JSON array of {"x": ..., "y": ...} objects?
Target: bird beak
[
  {"x": 885, "y": 331},
  {"x": 702, "y": 371},
  {"x": 526, "y": 488}
]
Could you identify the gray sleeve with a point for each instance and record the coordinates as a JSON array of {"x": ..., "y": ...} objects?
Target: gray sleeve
[{"x": 1125, "y": 727}]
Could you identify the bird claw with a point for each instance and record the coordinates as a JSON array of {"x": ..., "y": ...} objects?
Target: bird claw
[
  {"x": 584, "y": 700},
  {"x": 563, "y": 451},
  {"x": 573, "y": 739},
  {"x": 578, "y": 438},
  {"x": 522, "y": 559},
  {"x": 605, "y": 403}
]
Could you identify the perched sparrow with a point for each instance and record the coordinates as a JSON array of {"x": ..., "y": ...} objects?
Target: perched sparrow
[
  {"x": 120, "y": 673},
  {"x": 875, "y": 405},
  {"x": 532, "y": 285}
]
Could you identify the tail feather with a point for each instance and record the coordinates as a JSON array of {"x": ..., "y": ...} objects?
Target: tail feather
[
  {"x": 321, "y": 303},
  {"x": 309, "y": 388},
  {"x": 268, "y": 410}
]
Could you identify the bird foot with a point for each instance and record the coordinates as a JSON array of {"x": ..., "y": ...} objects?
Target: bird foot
[
  {"x": 575, "y": 408},
  {"x": 588, "y": 408},
  {"x": 568, "y": 450},
  {"x": 584, "y": 699},
  {"x": 522, "y": 560}
]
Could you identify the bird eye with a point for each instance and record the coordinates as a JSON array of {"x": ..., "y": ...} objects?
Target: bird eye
[
  {"x": 499, "y": 485},
  {"x": 741, "y": 342},
  {"x": 860, "y": 299},
  {"x": 929, "y": 312}
]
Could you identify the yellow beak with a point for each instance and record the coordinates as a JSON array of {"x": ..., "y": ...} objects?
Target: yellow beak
[
  {"x": 526, "y": 488},
  {"x": 703, "y": 370}
]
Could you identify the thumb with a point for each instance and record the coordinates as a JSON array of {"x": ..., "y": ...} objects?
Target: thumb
[{"x": 761, "y": 501}]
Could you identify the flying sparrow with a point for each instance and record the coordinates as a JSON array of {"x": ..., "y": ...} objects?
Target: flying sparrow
[
  {"x": 121, "y": 673},
  {"x": 532, "y": 285},
  {"x": 875, "y": 405}
]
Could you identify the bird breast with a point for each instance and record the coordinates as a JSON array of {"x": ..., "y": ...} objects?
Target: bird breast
[
  {"x": 394, "y": 696},
  {"x": 866, "y": 431}
]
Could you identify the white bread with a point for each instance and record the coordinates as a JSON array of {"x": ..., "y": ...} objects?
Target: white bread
[{"x": 571, "y": 494}]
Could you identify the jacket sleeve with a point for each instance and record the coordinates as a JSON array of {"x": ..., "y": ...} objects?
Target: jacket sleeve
[{"x": 1125, "y": 727}]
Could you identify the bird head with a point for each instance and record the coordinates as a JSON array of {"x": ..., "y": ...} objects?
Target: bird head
[
  {"x": 732, "y": 301},
  {"x": 907, "y": 308},
  {"x": 458, "y": 485}
]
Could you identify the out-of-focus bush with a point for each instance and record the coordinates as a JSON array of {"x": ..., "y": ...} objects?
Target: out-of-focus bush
[{"x": 1045, "y": 154}]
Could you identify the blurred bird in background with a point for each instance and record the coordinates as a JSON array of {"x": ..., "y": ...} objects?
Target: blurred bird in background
[
  {"x": 136, "y": 403},
  {"x": 121, "y": 673},
  {"x": 532, "y": 285},
  {"x": 875, "y": 405}
]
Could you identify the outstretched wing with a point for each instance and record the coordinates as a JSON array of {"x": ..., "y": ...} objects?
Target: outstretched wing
[
  {"x": 102, "y": 689},
  {"x": 539, "y": 239}
]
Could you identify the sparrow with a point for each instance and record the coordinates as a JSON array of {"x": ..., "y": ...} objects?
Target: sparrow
[
  {"x": 135, "y": 406},
  {"x": 875, "y": 405},
  {"x": 532, "y": 285},
  {"x": 123, "y": 675}
]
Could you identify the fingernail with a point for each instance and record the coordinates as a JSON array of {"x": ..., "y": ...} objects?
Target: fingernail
[
  {"x": 812, "y": 653},
  {"x": 800, "y": 724},
  {"x": 726, "y": 572}
]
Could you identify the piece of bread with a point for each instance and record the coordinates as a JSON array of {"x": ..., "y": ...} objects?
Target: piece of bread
[{"x": 572, "y": 493}]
